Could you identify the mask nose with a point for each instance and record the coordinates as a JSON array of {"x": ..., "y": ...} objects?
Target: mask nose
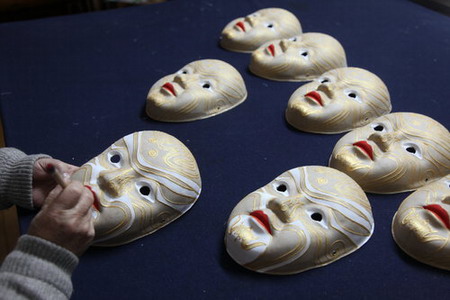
[
  {"x": 114, "y": 182},
  {"x": 327, "y": 89},
  {"x": 284, "y": 209},
  {"x": 285, "y": 44},
  {"x": 383, "y": 141},
  {"x": 250, "y": 20},
  {"x": 446, "y": 199}
]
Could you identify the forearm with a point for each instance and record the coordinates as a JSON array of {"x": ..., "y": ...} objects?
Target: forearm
[
  {"x": 37, "y": 269},
  {"x": 16, "y": 176}
]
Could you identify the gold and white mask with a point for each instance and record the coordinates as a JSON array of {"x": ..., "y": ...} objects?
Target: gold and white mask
[
  {"x": 142, "y": 182},
  {"x": 421, "y": 226},
  {"x": 248, "y": 33},
  {"x": 298, "y": 58},
  {"x": 201, "y": 89},
  {"x": 338, "y": 101},
  {"x": 305, "y": 218},
  {"x": 395, "y": 153}
]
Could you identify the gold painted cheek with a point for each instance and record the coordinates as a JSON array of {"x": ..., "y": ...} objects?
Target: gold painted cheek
[{"x": 113, "y": 217}]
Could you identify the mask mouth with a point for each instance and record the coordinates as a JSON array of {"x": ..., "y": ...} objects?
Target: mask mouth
[
  {"x": 440, "y": 213},
  {"x": 365, "y": 147},
  {"x": 315, "y": 96},
  {"x": 241, "y": 25},
  {"x": 262, "y": 219},
  {"x": 170, "y": 88},
  {"x": 271, "y": 49}
]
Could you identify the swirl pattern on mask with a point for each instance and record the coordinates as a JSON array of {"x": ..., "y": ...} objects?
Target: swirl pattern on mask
[
  {"x": 393, "y": 168},
  {"x": 144, "y": 181},
  {"x": 299, "y": 241},
  {"x": 422, "y": 233}
]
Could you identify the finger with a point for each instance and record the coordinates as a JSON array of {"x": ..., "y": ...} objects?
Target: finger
[
  {"x": 52, "y": 195},
  {"x": 70, "y": 196},
  {"x": 86, "y": 201}
]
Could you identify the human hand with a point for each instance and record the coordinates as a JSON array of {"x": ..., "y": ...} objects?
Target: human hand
[
  {"x": 66, "y": 218},
  {"x": 43, "y": 182}
]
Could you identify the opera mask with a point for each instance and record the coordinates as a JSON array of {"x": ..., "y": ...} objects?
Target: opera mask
[
  {"x": 199, "y": 90},
  {"x": 421, "y": 226},
  {"x": 247, "y": 34},
  {"x": 305, "y": 218},
  {"x": 142, "y": 182},
  {"x": 339, "y": 100},
  {"x": 299, "y": 58},
  {"x": 395, "y": 153}
]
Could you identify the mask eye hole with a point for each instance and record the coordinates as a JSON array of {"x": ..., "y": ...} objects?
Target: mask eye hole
[
  {"x": 282, "y": 188},
  {"x": 115, "y": 158},
  {"x": 379, "y": 127},
  {"x": 270, "y": 25},
  {"x": 304, "y": 53},
  {"x": 317, "y": 217},
  {"x": 413, "y": 149},
  {"x": 293, "y": 39},
  {"x": 144, "y": 190},
  {"x": 324, "y": 80},
  {"x": 206, "y": 86}
]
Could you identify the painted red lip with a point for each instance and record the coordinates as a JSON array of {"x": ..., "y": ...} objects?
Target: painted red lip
[
  {"x": 241, "y": 25},
  {"x": 439, "y": 212},
  {"x": 96, "y": 201},
  {"x": 364, "y": 146},
  {"x": 271, "y": 49},
  {"x": 315, "y": 96},
  {"x": 168, "y": 86},
  {"x": 262, "y": 219}
]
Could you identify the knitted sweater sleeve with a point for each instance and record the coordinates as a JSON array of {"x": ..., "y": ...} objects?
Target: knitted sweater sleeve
[
  {"x": 36, "y": 268},
  {"x": 16, "y": 177}
]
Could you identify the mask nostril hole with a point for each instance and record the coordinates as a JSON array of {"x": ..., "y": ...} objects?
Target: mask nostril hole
[
  {"x": 144, "y": 190},
  {"x": 316, "y": 217},
  {"x": 281, "y": 188}
]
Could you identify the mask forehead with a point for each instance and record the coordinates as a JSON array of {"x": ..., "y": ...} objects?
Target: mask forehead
[
  {"x": 305, "y": 218},
  {"x": 421, "y": 226},
  {"x": 248, "y": 33},
  {"x": 143, "y": 182},
  {"x": 299, "y": 58},
  {"x": 396, "y": 152},
  {"x": 339, "y": 100},
  {"x": 199, "y": 90}
]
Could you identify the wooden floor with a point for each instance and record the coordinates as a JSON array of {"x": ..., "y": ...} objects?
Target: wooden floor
[{"x": 9, "y": 225}]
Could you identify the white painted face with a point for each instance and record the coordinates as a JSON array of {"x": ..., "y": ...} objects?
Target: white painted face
[
  {"x": 338, "y": 101},
  {"x": 248, "y": 33},
  {"x": 299, "y": 58},
  {"x": 421, "y": 226},
  {"x": 143, "y": 182},
  {"x": 395, "y": 153},
  {"x": 305, "y": 218},
  {"x": 201, "y": 89}
]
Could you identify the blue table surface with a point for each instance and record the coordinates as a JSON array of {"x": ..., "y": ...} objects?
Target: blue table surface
[{"x": 72, "y": 85}]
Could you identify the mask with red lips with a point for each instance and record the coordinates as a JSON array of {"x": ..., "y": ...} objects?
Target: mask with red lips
[
  {"x": 201, "y": 89},
  {"x": 421, "y": 226},
  {"x": 298, "y": 58},
  {"x": 248, "y": 33},
  {"x": 395, "y": 153},
  {"x": 305, "y": 218},
  {"x": 339, "y": 100},
  {"x": 143, "y": 182}
]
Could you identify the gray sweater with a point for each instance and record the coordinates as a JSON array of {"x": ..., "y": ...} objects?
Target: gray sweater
[{"x": 36, "y": 269}]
